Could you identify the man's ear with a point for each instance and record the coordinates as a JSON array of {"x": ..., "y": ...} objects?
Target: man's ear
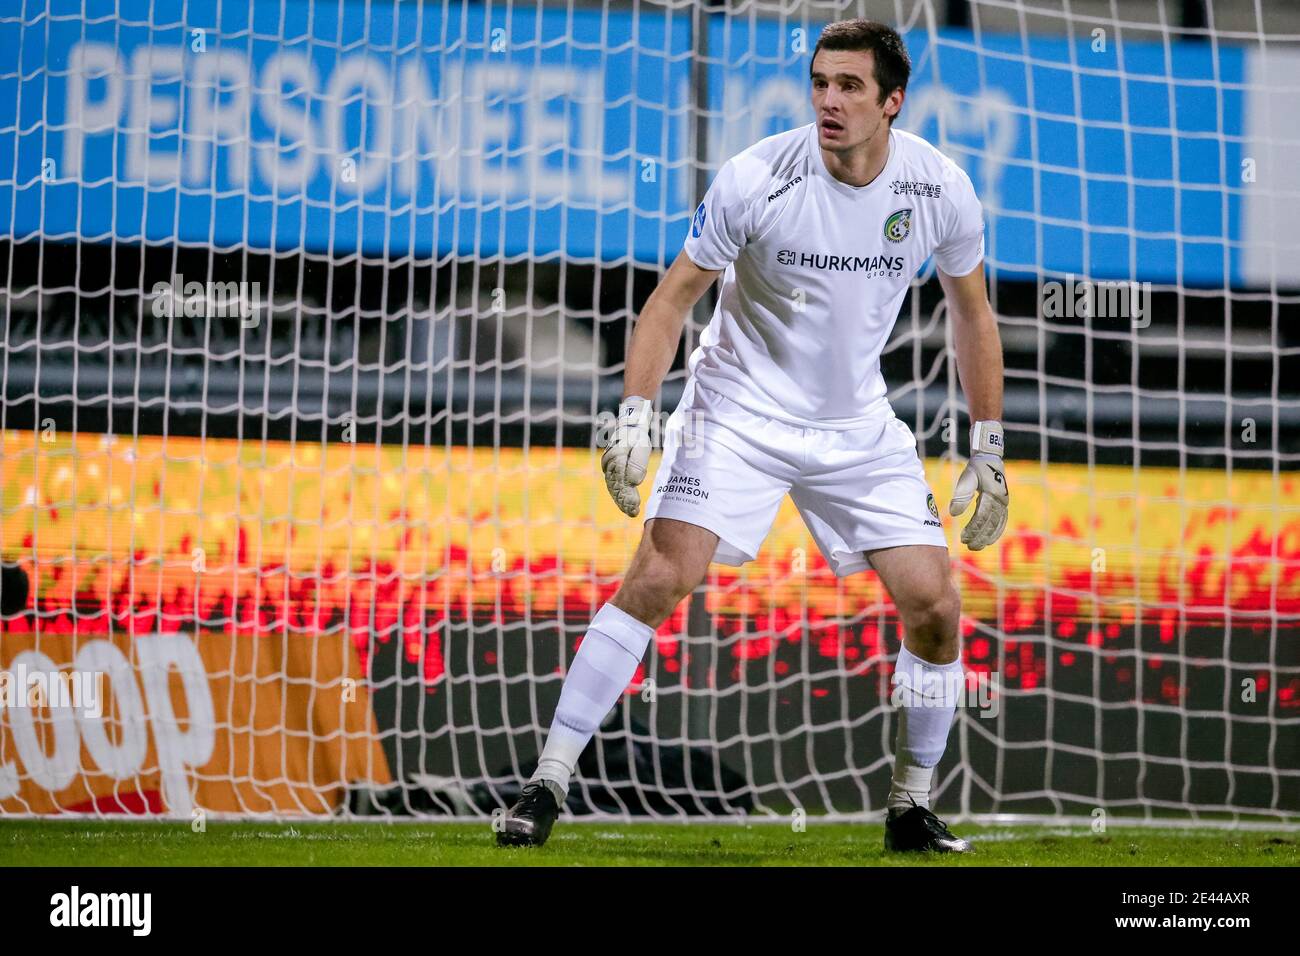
[{"x": 894, "y": 103}]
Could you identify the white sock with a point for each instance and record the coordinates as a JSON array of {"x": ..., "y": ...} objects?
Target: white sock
[
  {"x": 606, "y": 660},
  {"x": 926, "y": 695}
]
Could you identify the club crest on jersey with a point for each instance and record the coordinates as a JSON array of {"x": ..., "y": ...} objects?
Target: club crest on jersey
[
  {"x": 697, "y": 224},
  {"x": 899, "y": 225}
]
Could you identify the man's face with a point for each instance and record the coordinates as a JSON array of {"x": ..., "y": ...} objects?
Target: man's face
[{"x": 846, "y": 99}]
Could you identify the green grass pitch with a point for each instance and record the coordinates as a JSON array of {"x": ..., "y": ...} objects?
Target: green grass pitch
[{"x": 93, "y": 843}]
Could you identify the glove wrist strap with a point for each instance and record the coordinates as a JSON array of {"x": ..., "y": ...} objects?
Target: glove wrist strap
[
  {"x": 635, "y": 412},
  {"x": 986, "y": 438}
]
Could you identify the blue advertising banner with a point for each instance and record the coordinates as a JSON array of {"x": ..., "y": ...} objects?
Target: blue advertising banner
[
  {"x": 1090, "y": 158},
  {"x": 399, "y": 130}
]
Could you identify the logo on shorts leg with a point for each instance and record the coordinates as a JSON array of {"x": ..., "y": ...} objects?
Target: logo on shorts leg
[
  {"x": 934, "y": 510},
  {"x": 683, "y": 486}
]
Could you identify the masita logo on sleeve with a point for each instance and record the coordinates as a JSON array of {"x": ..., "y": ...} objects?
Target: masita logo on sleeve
[{"x": 784, "y": 189}]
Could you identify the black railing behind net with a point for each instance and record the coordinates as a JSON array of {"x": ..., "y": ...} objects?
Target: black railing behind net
[{"x": 420, "y": 353}]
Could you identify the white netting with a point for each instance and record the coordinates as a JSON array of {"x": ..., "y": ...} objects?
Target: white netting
[{"x": 311, "y": 312}]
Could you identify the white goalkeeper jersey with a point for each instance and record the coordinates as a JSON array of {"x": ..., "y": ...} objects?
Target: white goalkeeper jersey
[{"x": 816, "y": 271}]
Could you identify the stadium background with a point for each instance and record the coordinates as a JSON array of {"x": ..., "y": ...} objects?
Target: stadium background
[{"x": 390, "y": 476}]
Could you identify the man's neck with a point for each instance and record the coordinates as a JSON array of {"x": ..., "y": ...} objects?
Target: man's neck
[{"x": 861, "y": 165}]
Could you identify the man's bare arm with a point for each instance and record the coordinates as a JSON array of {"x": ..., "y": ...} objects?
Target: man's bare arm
[
  {"x": 979, "y": 363},
  {"x": 654, "y": 343},
  {"x": 978, "y": 344},
  {"x": 659, "y": 326}
]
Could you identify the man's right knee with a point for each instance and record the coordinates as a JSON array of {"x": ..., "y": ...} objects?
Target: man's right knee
[
  {"x": 670, "y": 562},
  {"x": 651, "y": 590}
]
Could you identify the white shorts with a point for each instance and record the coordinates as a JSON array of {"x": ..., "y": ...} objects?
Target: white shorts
[{"x": 727, "y": 469}]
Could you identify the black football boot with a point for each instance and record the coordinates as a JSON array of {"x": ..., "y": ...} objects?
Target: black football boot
[
  {"x": 529, "y": 821},
  {"x": 917, "y": 830}
]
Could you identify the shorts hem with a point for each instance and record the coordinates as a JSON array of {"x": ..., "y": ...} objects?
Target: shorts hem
[
  {"x": 734, "y": 556},
  {"x": 855, "y": 561}
]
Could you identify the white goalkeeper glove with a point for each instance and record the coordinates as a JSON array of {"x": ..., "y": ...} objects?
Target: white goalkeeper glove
[
  {"x": 627, "y": 456},
  {"x": 983, "y": 474}
]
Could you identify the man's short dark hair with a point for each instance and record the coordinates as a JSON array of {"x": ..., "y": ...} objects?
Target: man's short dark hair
[{"x": 893, "y": 65}]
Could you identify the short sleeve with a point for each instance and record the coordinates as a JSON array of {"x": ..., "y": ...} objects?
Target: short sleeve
[
  {"x": 719, "y": 228},
  {"x": 962, "y": 248}
]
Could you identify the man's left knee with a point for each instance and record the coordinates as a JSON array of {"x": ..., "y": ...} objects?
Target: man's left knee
[{"x": 933, "y": 623}]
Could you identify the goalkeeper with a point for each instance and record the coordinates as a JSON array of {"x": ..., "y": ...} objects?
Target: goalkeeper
[{"x": 817, "y": 234}]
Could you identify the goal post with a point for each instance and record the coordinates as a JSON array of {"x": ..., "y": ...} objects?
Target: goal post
[{"x": 314, "y": 316}]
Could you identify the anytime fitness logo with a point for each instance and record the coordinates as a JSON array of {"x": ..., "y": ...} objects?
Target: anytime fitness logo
[{"x": 912, "y": 188}]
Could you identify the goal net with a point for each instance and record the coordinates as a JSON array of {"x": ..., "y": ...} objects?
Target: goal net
[{"x": 314, "y": 316}]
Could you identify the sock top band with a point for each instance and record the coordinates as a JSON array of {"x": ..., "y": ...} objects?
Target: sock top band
[{"x": 623, "y": 629}]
